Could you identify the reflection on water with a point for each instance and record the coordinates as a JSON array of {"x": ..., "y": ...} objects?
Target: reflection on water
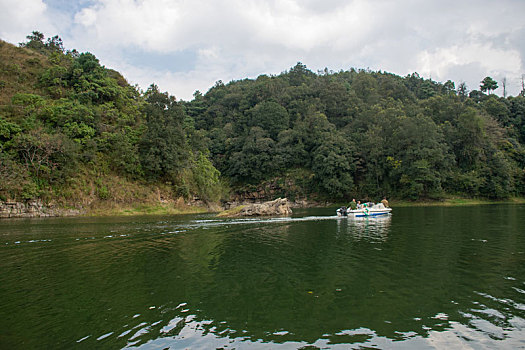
[
  {"x": 373, "y": 228},
  {"x": 420, "y": 278}
]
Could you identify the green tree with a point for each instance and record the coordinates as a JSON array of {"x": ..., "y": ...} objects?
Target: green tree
[
  {"x": 35, "y": 42},
  {"x": 45, "y": 155},
  {"x": 488, "y": 84},
  {"x": 463, "y": 91},
  {"x": 269, "y": 116},
  {"x": 206, "y": 178},
  {"x": 497, "y": 109},
  {"x": 449, "y": 87},
  {"x": 253, "y": 162},
  {"x": 163, "y": 147},
  {"x": 333, "y": 166},
  {"x": 468, "y": 138},
  {"x": 300, "y": 74},
  {"x": 425, "y": 160}
]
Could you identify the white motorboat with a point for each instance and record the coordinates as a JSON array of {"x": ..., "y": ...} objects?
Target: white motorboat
[{"x": 371, "y": 210}]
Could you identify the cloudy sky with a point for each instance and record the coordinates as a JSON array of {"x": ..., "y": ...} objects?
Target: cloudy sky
[{"x": 187, "y": 45}]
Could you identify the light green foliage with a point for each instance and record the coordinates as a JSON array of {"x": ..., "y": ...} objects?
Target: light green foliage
[
  {"x": 80, "y": 112},
  {"x": 78, "y": 132},
  {"x": 205, "y": 178},
  {"x": 7, "y": 131}
]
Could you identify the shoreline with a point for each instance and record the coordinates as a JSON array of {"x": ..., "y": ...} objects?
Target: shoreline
[
  {"x": 455, "y": 202},
  {"x": 35, "y": 209}
]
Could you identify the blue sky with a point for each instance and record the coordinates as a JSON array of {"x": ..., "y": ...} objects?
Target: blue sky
[{"x": 187, "y": 45}]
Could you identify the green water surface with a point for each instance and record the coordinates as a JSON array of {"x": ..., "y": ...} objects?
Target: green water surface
[{"x": 421, "y": 278}]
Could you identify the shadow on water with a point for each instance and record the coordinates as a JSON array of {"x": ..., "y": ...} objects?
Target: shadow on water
[{"x": 420, "y": 278}]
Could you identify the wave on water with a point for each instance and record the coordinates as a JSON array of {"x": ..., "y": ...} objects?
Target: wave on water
[
  {"x": 260, "y": 220},
  {"x": 176, "y": 227}
]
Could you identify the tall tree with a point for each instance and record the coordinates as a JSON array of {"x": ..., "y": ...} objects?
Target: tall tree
[
  {"x": 488, "y": 84},
  {"x": 462, "y": 90},
  {"x": 163, "y": 147}
]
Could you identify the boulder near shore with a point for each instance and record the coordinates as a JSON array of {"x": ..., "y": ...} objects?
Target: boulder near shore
[{"x": 279, "y": 206}]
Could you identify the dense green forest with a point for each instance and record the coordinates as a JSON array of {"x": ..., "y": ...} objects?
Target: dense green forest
[
  {"x": 366, "y": 134},
  {"x": 71, "y": 128}
]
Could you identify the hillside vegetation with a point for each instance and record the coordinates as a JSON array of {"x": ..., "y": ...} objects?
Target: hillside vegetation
[
  {"x": 364, "y": 134},
  {"x": 76, "y": 133}
]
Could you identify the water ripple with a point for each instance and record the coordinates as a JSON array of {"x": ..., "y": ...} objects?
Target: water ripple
[{"x": 421, "y": 278}]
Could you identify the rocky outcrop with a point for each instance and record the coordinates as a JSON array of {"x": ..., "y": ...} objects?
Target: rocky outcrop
[
  {"x": 33, "y": 209},
  {"x": 298, "y": 203},
  {"x": 279, "y": 206}
]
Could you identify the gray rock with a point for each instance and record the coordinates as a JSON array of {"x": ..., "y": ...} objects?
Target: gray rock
[
  {"x": 33, "y": 209},
  {"x": 279, "y": 206}
]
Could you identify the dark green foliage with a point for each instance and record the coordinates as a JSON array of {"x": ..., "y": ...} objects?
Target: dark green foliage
[
  {"x": 517, "y": 116},
  {"x": 424, "y": 156},
  {"x": 333, "y": 165},
  {"x": 121, "y": 148},
  {"x": 269, "y": 116},
  {"x": 329, "y": 135},
  {"x": 253, "y": 161},
  {"x": 364, "y": 133},
  {"x": 497, "y": 109},
  {"x": 299, "y": 74},
  {"x": 488, "y": 84},
  {"x": 163, "y": 148},
  {"x": 36, "y": 42}
]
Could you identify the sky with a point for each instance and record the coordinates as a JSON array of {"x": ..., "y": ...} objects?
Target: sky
[{"x": 188, "y": 45}]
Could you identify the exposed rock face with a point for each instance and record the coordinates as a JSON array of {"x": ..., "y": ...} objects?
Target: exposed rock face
[
  {"x": 280, "y": 206},
  {"x": 32, "y": 209}
]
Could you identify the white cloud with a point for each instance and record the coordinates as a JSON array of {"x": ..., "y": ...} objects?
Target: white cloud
[
  {"x": 489, "y": 61},
  {"x": 233, "y": 39},
  {"x": 20, "y": 18},
  {"x": 87, "y": 17}
]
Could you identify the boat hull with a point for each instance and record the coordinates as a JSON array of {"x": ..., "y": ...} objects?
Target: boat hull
[{"x": 364, "y": 212}]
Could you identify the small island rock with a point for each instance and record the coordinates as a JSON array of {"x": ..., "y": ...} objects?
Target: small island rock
[{"x": 279, "y": 206}]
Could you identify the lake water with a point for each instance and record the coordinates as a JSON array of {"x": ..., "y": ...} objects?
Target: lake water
[{"x": 421, "y": 278}]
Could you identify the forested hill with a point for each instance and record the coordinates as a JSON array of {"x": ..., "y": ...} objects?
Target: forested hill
[
  {"x": 71, "y": 128},
  {"x": 76, "y": 133},
  {"x": 365, "y": 134}
]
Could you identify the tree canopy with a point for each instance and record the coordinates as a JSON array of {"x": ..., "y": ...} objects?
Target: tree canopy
[{"x": 325, "y": 135}]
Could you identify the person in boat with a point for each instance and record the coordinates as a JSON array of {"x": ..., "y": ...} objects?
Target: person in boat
[
  {"x": 359, "y": 206},
  {"x": 385, "y": 202},
  {"x": 353, "y": 204}
]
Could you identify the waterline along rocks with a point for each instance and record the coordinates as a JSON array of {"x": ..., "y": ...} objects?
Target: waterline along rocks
[{"x": 32, "y": 209}]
